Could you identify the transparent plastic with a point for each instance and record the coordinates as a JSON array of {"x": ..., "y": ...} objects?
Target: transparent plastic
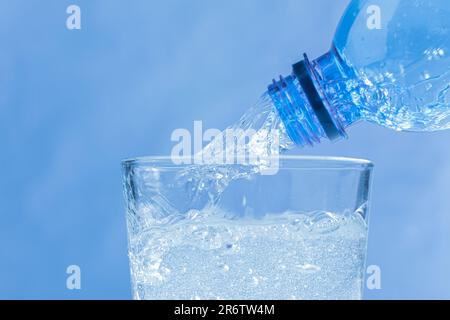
[
  {"x": 389, "y": 64},
  {"x": 299, "y": 234}
]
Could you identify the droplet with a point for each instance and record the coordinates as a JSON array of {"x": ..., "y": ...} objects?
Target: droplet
[
  {"x": 425, "y": 75},
  {"x": 322, "y": 222},
  {"x": 308, "y": 267}
]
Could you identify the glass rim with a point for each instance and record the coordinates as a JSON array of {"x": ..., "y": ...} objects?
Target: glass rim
[{"x": 286, "y": 162}]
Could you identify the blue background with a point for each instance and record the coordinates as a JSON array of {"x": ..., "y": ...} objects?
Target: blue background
[{"x": 74, "y": 103}]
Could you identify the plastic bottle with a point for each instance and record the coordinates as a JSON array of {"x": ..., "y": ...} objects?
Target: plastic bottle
[{"x": 389, "y": 64}]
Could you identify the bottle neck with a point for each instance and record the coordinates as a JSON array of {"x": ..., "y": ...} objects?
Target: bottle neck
[{"x": 313, "y": 101}]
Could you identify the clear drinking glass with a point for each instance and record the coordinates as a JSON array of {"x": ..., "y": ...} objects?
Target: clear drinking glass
[{"x": 227, "y": 232}]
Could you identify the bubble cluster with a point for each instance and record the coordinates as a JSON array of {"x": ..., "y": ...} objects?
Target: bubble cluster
[{"x": 317, "y": 255}]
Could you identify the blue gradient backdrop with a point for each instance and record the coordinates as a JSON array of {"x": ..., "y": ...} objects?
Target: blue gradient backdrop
[{"x": 74, "y": 103}]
